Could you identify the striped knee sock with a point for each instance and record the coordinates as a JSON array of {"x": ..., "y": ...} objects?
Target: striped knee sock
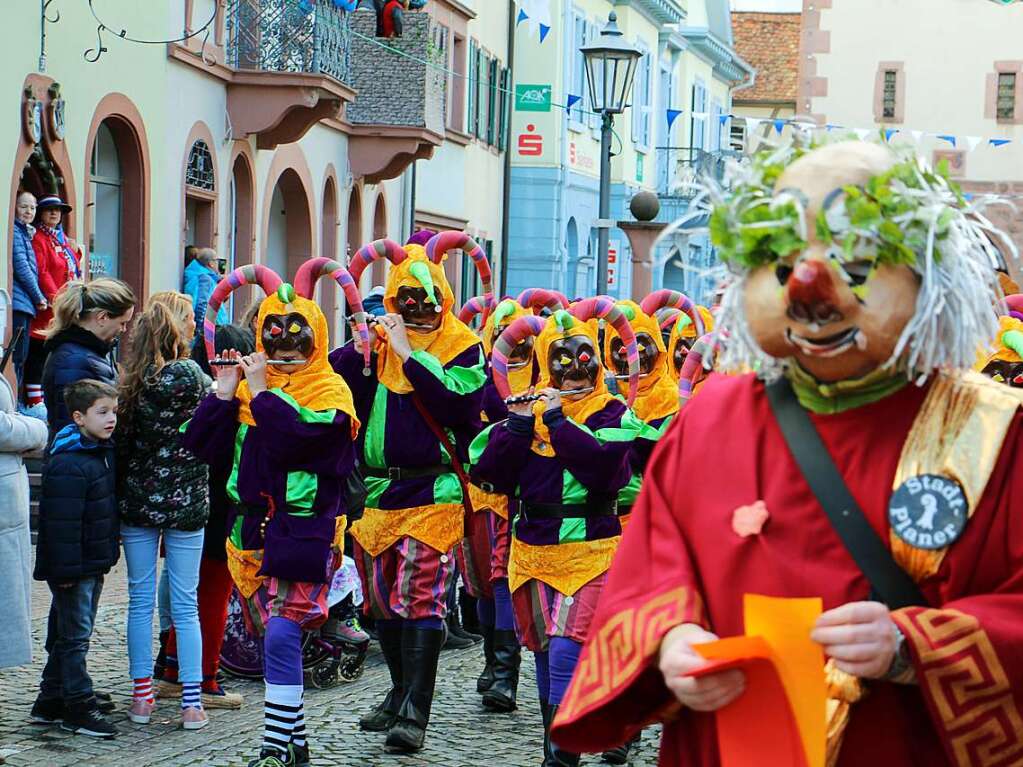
[
  {"x": 298, "y": 734},
  {"x": 33, "y": 394},
  {"x": 142, "y": 690},
  {"x": 190, "y": 695},
  {"x": 281, "y": 710}
]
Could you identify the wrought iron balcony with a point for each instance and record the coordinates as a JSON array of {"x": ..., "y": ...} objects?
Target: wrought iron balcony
[
  {"x": 311, "y": 36},
  {"x": 680, "y": 169}
]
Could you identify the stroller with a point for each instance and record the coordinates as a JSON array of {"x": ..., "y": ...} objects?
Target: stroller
[{"x": 332, "y": 654}]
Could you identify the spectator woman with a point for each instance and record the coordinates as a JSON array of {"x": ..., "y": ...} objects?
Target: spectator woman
[
  {"x": 27, "y": 295},
  {"x": 18, "y": 435},
  {"x": 163, "y": 495},
  {"x": 58, "y": 261},
  {"x": 215, "y": 582},
  {"x": 87, "y": 320}
]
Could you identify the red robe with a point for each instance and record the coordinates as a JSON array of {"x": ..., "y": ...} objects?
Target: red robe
[{"x": 681, "y": 562}]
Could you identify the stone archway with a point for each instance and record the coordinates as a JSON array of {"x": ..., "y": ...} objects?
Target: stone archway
[
  {"x": 242, "y": 222},
  {"x": 119, "y": 248},
  {"x": 330, "y": 298},
  {"x": 379, "y": 272},
  {"x": 354, "y": 232}
]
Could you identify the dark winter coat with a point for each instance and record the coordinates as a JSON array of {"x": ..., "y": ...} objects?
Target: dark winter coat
[
  {"x": 73, "y": 354},
  {"x": 78, "y": 529},
  {"x": 162, "y": 484},
  {"x": 26, "y": 294}
]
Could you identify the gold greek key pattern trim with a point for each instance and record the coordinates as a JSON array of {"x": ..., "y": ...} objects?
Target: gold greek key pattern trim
[
  {"x": 958, "y": 433},
  {"x": 619, "y": 650},
  {"x": 969, "y": 691}
]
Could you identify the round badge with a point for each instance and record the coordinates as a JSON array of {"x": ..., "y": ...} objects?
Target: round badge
[{"x": 928, "y": 511}]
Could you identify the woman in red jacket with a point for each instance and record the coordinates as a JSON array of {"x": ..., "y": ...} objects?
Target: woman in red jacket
[{"x": 59, "y": 259}]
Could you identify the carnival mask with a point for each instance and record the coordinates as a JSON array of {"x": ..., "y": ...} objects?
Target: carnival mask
[
  {"x": 288, "y": 337},
  {"x": 833, "y": 303},
  {"x": 420, "y": 315},
  {"x": 678, "y": 358},
  {"x": 1003, "y": 371},
  {"x": 573, "y": 363},
  {"x": 648, "y": 354}
]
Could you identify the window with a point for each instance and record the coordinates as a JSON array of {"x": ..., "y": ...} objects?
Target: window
[
  {"x": 578, "y": 83},
  {"x": 715, "y": 126},
  {"x": 698, "y": 132},
  {"x": 493, "y": 69},
  {"x": 199, "y": 173},
  {"x": 888, "y": 102},
  {"x": 641, "y": 110},
  {"x": 458, "y": 84},
  {"x": 505, "y": 96},
  {"x": 737, "y": 136},
  {"x": 474, "y": 89},
  {"x": 1006, "y": 108}
]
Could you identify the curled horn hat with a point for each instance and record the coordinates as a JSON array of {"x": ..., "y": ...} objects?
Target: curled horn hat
[
  {"x": 582, "y": 311},
  {"x": 305, "y": 285},
  {"x": 440, "y": 244},
  {"x": 250, "y": 274},
  {"x": 373, "y": 251},
  {"x": 660, "y": 299},
  {"x": 474, "y": 307},
  {"x": 539, "y": 299},
  {"x": 693, "y": 367}
]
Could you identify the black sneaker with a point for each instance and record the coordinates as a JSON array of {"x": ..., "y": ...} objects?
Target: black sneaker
[
  {"x": 299, "y": 755},
  {"x": 87, "y": 719},
  {"x": 271, "y": 757},
  {"x": 47, "y": 712}
]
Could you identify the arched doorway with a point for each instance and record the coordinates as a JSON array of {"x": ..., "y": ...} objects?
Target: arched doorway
[
  {"x": 674, "y": 275},
  {"x": 330, "y": 299},
  {"x": 379, "y": 232},
  {"x": 201, "y": 189},
  {"x": 289, "y": 239},
  {"x": 354, "y": 224},
  {"x": 572, "y": 250},
  {"x": 242, "y": 235},
  {"x": 117, "y": 194}
]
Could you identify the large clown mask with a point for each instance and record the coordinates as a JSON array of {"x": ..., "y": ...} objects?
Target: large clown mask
[
  {"x": 837, "y": 319},
  {"x": 572, "y": 363},
  {"x": 421, "y": 311},
  {"x": 288, "y": 338}
]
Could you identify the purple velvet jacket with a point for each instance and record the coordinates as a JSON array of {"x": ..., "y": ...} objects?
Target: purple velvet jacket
[
  {"x": 395, "y": 435},
  {"x": 594, "y": 459},
  {"x": 297, "y": 465}
]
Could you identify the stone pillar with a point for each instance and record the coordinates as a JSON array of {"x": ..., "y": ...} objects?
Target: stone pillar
[{"x": 642, "y": 234}]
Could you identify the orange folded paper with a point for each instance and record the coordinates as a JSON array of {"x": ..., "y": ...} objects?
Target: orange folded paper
[{"x": 780, "y": 720}]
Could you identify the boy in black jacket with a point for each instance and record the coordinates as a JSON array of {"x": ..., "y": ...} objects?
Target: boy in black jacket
[{"x": 77, "y": 546}]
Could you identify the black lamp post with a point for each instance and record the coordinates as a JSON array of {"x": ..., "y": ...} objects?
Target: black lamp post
[{"x": 610, "y": 68}]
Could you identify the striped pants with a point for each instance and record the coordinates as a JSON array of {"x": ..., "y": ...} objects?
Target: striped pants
[
  {"x": 542, "y": 612},
  {"x": 485, "y": 558},
  {"x": 408, "y": 580}
]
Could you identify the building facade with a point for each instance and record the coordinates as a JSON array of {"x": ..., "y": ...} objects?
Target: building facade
[
  {"x": 961, "y": 103},
  {"x": 266, "y": 133},
  {"x": 687, "y": 71},
  {"x": 769, "y": 42}
]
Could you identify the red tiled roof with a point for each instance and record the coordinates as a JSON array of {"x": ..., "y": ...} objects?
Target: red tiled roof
[{"x": 770, "y": 43}]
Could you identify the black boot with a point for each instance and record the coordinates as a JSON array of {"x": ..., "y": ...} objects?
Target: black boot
[
  {"x": 507, "y": 658},
  {"x": 420, "y": 653},
  {"x": 557, "y": 757},
  {"x": 160, "y": 664},
  {"x": 382, "y": 717},
  {"x": 545, "y": 714},
  {"x": 458, "y": 638},
  {"x": 620, "y": 755},
  {"x": 470, "y": 618},
  {"x": 487, "y": 677}
]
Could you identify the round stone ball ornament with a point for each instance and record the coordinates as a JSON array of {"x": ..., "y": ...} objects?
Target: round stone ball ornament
[{"x": 928, "y": 511}]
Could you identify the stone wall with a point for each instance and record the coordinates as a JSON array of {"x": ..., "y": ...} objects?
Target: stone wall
[{"x": 396, "y": 89}]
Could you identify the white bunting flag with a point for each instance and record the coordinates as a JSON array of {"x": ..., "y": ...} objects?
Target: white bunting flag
[
  {"x": 753, "y": 124},
  {"x": 862, "y": 133},
  {"x": 971, "y": 142},
  {"x": 917, "y": 135}
]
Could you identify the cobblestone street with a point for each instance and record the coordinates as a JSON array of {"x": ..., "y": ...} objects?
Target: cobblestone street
[{"x": 461, "y": 733}]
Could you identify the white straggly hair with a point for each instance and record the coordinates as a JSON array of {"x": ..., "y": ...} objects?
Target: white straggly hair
[{"x": 958, "y": 282}]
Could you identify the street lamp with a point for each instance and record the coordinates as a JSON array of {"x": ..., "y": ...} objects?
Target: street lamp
[{"x": 610, "y": 65}]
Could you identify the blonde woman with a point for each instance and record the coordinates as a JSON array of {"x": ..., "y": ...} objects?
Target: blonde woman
[
  {"x": 163, "y": 495},
  {"x": 87, "y": 320}
]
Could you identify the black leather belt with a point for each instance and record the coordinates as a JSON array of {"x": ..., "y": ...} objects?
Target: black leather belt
[
  {"x": 592, "y": 508},
  {"x": 398, "y": 473}
]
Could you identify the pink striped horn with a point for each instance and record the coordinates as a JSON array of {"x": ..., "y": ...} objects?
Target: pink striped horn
[
  {"x": 374, "y": 251},
  {"x": 250, "y": 274},
  {"x": 305, "y": 285},
  {"x": 604, "y": 308},
  {"x": 666, "y": 317},
  {"x": 513, "y": 335},
  {"x": 474, "y": 307},
  {"x": 441, "y": 243},
  {"x": 693, "y": 368},
  {"x": 662, "y": 298},
  {"x": 538, "y": 299}
]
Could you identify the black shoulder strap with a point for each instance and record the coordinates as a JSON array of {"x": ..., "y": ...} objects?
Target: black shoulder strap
[{"x": 891, "y": 584}]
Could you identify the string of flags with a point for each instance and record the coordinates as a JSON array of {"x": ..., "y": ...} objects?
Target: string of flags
[{"x": 538, "y": 15}]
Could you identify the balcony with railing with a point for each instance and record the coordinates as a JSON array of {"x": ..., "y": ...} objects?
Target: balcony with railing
[{"x": 680, "y": 173}]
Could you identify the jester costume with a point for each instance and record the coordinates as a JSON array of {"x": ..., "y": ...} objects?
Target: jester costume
[
  {"x": 1005, "y": 363},
  {"x": 414, "y": 516},
  {"x": 565, "y": 467},
  {"x": 490, "y": 534},
  {"x": 872, "y": 330},
  {"x": 290, "y": 449}
]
